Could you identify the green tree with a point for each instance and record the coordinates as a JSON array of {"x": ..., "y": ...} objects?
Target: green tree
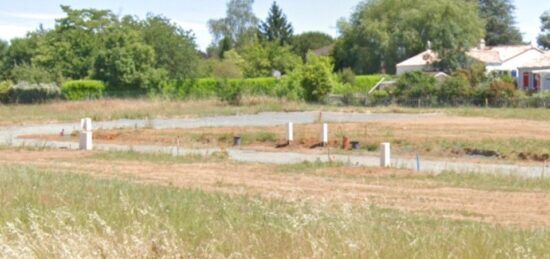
[
  {"x": 382, "y": 33},
  {"x": 261, "y": 59},
  {"x": 499, "y": 22},
  {"x": 276, "y": 28},
  {"x": 415, "y": 85},
  {"x": 21, "y": 52},
  {"x": 544, "y": 37},
  {"x": 125, "y": 62},
  {"x": 239, "y": 26},
  {"x": 317, "y": 77},
  {"x": 72, "y": 46},
  {"x": 303, "y": 43},
  {"x": 175, "y": 49},
  {"x": 3, "y": 52}
]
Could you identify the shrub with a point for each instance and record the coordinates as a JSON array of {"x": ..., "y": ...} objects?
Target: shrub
[
  {"x": 347, "y": 76},
  {"x": 258, "y": 86},
  {"x": 415, "y": 85},
  {"x": 454, "y": 87},
  {"x": 231, "y": 92},
  {"x": 317, "y": 78},
  {"x": 366, "y": 83},
  {"x": 24, "y": 92},
  {"x": 31, "y": 74},
  {"x": 82, "y": 89},
  {"x": 500, "y": 88},
  {"x": 4, "y": 90}
]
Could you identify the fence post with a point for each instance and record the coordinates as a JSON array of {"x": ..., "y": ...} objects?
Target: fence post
[{"x": 486, "y": 103}]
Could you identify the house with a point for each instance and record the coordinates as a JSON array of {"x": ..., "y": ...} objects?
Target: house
[
  {"x": 535, "y": 75},
  {"x": 497, "y": 59}
]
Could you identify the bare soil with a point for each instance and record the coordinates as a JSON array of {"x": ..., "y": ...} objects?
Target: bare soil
[
  {"x": 389, "y": 188},
  {"x": 441, "y": 136}
]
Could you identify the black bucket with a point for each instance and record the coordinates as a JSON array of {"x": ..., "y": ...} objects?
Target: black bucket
[
  {"x": 237, "y": 141},
  {"x": 355, "y": 145}
]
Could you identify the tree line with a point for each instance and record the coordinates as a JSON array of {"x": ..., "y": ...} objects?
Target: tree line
[{"x": 130, "y": 53}]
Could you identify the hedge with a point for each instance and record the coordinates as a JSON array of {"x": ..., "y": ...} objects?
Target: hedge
[
  {"x": 363, "y": 84},
  {"x": 4, "y": 90},
  {"x": 24, "y": 92},
  {"x": 82, "y": 90}
]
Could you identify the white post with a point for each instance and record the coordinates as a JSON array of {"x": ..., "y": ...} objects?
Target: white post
[
  {"x": 290, "y": 136},
  {"x": 86, "y": 134},
  {"x": 324, "y": 134},
  {"x": 385, "y": 155}
]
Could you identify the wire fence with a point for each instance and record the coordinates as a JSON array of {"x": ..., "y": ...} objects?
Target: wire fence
[{"x": 433, "y": 102}]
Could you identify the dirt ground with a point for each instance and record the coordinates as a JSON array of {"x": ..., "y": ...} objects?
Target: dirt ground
[
  {"x": 441, "y": 136},
  {"x": 389, "y": 188}
]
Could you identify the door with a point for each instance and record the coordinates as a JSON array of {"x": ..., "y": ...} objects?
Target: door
[{"x": 526, "y": 81}]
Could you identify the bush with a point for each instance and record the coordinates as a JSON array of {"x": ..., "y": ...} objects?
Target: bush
[
  {"x": 347, "y": 76},
  {"x": 24, "y": 92},
  {"x": 31, "y": 74},
  {"x": 231, "y": 92},
  {"x": 82, "y": 90},
  {"x": 415, "y": 85},
  {"x": 317, "y": 77},
  {"x": 454, "y": 87},
  {"x": 500, "y": 88},
  {"x": 4, "y": 90}
]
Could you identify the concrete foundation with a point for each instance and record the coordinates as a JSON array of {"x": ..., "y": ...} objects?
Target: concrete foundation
[{"x": 86, "y": 140}]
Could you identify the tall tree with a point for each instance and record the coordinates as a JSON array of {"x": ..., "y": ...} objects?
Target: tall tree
[
  {"x": 239, "y": 25},
  {"x": 276, "y": 28},
  {"x": 303, "y": 43},
  {"x": 175, "y": 49},
  {"x": 544, "y": 37},
  {"x": 382, "y": 33},
  {"x": 3, "y": 52},
  {"x": 499, "y": 22}
]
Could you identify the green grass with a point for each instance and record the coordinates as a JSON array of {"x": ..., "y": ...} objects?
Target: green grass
[
  {"x": 52, "y": 214},
  {"x": 492, "y": 182},
  {"x": 502, "y": 113}
]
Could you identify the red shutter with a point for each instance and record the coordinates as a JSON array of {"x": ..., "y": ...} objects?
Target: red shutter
[{"x": 526, "y": 80}]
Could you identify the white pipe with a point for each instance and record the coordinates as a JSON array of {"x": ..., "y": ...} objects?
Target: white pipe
[
  {"x": 324, "y": 134},
  {"x": 86, "y": 134},
  {"x": 385, "y": 155},
  {"x": 290, "y": 136}
]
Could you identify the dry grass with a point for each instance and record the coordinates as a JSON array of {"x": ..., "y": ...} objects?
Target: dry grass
[
  {"x": 449, "y": 137},
  {"x": 48, "y": 213}
]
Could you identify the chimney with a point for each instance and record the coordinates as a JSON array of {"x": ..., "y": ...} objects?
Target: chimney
[{"x": 481, "y": 44}]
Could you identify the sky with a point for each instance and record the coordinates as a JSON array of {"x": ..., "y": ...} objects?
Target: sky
[{"x": 19, "y": 17}]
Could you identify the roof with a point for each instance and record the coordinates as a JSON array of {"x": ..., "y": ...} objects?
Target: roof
[
  {"x": 324, "y": 51},
  {"x": 424, "y": 58},
  {"x": 542, "y": 62},
  {"x": 487, "y": 55},
  {"x": 499, "y": 54}
]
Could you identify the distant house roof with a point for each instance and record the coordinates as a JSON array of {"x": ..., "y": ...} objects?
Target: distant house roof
[
  {"x": 498, "y": 54},
  {"x": 324, "y": 51},
  {"x": 425, "y": 58},
  {"x": 482, "y": 53},
  {"x": 542, "y": 62}
]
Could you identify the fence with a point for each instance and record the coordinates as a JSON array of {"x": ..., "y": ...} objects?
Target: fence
[{"x": 433, "y": 102}]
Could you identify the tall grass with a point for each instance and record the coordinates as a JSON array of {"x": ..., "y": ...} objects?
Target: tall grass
[{"x": 52, "y": 214}]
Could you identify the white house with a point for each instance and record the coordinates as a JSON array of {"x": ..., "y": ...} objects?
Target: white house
[
  {"x": 498, "y": 59},
  {"x": 535, "y": 75}
]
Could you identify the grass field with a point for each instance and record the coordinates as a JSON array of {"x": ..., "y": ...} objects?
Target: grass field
[
  {"x": 64, "y": 203},
  {"x": 50, "y": 213},
  {"x": 159, "y": 108}
]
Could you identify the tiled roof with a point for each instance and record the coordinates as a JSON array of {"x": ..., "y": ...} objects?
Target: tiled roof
[
  {"x": 541, "y": 62},
  {"x": 498, "y": 54},
  {"x": 424, "y": 58}
]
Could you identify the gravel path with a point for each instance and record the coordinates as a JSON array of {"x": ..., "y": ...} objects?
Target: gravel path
[{"x": 8, "y": 135}]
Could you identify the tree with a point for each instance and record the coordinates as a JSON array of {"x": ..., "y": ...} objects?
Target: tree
[
  {"x": 317, "y": 77},
  {"x": 72, "y": 46},
  {"x": 125, "y": 62},
  {"x": 276, "y": 28},
  {"x": 382, "y": 33},
  {"x": 303, "y": 43},
  {"x": 3, "y": 52},
  {"x": 500, "y": 23},
  {"x": 261, "y": 59},
  {"x": 544, "y": 37},
  {"x": 175, "y": 49},
  {"x": 239, "y": 25}
]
